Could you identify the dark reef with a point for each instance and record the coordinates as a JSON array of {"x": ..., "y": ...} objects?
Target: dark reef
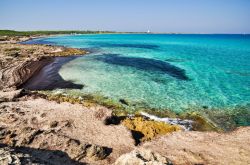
[{"x": 145, "y": 64}]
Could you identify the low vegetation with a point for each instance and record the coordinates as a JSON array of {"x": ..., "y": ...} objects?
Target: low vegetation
[{"x": 33, "y": 33}]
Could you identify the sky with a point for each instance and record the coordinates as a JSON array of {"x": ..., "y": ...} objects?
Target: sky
[{"x": 177, "y": 16}]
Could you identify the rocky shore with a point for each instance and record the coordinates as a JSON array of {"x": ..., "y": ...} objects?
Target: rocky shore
[
  {"x": 18, "y": 62},
  {"x": 35, "y": 129}
]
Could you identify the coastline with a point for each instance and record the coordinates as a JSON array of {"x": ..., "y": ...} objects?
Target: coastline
[
  {"x": 19, "y": 110},
  {"x": 27, "y": 60}
]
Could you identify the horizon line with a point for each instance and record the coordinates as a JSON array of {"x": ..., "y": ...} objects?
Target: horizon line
[{"x": 126, "y": 32}]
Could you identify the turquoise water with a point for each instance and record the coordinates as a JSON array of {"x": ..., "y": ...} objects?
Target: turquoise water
[{"x": 175, "y": 72}]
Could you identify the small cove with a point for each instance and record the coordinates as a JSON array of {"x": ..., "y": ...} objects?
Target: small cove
[{"x": 164, "y": 72}]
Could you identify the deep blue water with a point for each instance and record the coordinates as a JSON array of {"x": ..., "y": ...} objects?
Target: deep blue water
[{"x": 175, "y": 72}]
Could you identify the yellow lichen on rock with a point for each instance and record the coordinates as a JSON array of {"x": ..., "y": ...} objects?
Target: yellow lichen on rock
[{"x": 149, "y": 128}]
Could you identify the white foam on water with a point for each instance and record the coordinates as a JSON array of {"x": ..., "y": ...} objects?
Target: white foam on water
[{"x": 185, "y": 124}]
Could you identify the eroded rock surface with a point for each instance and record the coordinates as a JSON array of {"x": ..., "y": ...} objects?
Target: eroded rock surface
[
  {"x": 193, "y": 147},
  {"x": 18, "y": 62},
  {"x": 73, "y": 130},
  {"x": 148, "y": 129},
  {"x": 24, "y": 156},
  {"x": 142, "y": 157}
]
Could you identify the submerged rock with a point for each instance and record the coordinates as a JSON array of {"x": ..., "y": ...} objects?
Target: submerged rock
[
  {"x": 201, "y": 122},
  {"x": 123, "y": 101}
]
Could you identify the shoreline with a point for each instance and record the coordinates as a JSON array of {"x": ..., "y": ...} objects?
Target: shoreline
[
  {"x": 78, "y": 123},
  {"x": 28, "y": 59},
  {"x": 198, "y": 121},
  {"x": 201, "y": 116}
]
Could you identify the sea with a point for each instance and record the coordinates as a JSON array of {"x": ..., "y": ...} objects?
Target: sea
[{"x": 175, "y": 72}]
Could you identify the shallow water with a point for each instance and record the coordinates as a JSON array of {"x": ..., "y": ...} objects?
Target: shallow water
[{"x": 161, "y": 71}]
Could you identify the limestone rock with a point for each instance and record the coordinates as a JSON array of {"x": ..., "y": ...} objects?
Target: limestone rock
[
  {"x": 97, "y": 152},
  {"x": 142, "y": 157},
  {"x": 24, "y": 155},
  {"x": 10, "y": 95},
  {"x": 148, "y": 128},
  {"x": 8, "y": 156},
  {"x": 41, "y": 139},
  {"x": 19, "y": 62}
]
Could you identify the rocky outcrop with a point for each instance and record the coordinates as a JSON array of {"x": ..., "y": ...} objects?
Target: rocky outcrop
[
  {"x": 52, "y": 139},
  {"x": 144, "y": 130},
  {"x": 15, "y": 39},
  {"x": 10, "y": 95},
  {"x": 25, "y": 155},
  {"x": 194, "y": 147},
  {"x": 19, "y": 62},
  {"x": 17, "y": 73},
  {"x": 77, "y": 132},
  {"x": 142, "y": 157}
]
